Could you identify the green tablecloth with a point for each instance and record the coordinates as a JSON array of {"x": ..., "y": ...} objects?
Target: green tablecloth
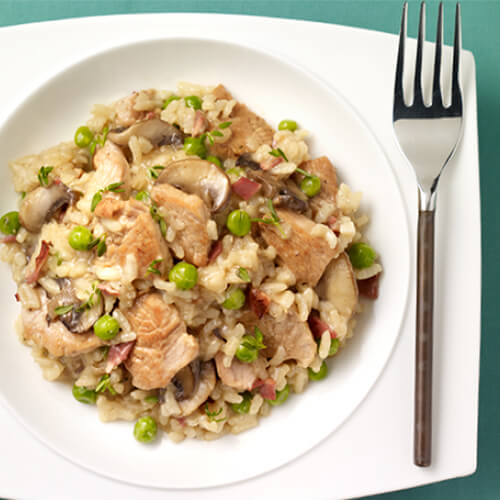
[{"x": 481, "y": 22}]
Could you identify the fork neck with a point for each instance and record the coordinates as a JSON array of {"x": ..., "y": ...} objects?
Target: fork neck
[{"x": 427, "y": 198}]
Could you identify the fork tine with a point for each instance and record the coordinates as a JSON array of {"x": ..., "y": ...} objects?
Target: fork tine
[
  {"x": 418, "y": 97},
  {"x": 455, "y": 85},
  {"x": 398, "y": 87},
  {"x": 437, "y": 97}
]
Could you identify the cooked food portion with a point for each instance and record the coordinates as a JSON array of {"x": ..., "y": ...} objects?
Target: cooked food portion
[
  {"x": 190, "y": 215},
  {"x": 163, "y": 347},
  {"x": 184, "y": 264},
  {"x": 307, "y": 250}
]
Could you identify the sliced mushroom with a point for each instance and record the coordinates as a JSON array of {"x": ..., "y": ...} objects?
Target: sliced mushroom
[
  {"x": 289, "y": 198},
  {"x": 80, "y": 318},
  {"x": 245, "y": 160},
  {"x": 186, "y": 380},
  {"x": 203, "y": 390},
  {"x": 338, "y": 285},
  {"x": 42, "y": 203},
  {"x": 198, "y": 177},
  {"x": 156, "y": 131}
]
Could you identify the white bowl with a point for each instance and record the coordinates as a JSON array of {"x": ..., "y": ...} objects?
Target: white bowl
[{"x": 275, "y": 89}]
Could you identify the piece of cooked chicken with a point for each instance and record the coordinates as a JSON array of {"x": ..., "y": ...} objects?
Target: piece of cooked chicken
[
  {"x": 248, "y": 130},
  {"x": 163, "y": 346},
  {"x": 303, "y": 252},
  {"x": 238, "y": 375},
  {"x": 139, "y": 235},
  {"x": 193, "y": 213}
]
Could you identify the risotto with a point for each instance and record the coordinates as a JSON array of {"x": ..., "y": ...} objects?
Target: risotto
[{"x": 184, "y": 265}]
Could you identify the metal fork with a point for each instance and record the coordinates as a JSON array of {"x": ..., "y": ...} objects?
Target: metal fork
[{"x": 428, "y": 136}]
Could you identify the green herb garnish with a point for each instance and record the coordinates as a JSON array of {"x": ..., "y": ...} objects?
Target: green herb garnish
[
  {"x": 158, "y": 218},
  {"x": 152, "y": 268},
  {"x": 212, "y": 414},
  {"x": 99, "y": 139},
  {"x": 274, "y": 219},
  {"x": 278, "y": 153},
  {"x": 60, "y": 310},
  {"x": 114, "y": 188},
  {"x": 224, "y": 125},
  {"x": 154, "y": 172},
  {"x": 43, "y": 175},
  {"x": 104, "y": 385}
]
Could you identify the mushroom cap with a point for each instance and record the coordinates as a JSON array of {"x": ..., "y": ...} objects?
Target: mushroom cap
[
  {"x": 198, "y": 177},
  {"x": 80, "y": 319},
  {"x": 204, "y": 387},
  {"x": 42, "y": 203},
  {"x": 338, "y": 285},
  {"x": 156, "y": 131}
]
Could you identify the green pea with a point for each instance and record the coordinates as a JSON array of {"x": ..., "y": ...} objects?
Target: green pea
[
  {"x": 244, "y": 406},
  {"x": 9, "y": 223},
  {"x": 169, "y": 100},
  {"x": 184, "y": 275},
  {"x": 287, "y": 125},
  {"x": 193, "y": 101},
  {"x": 80, "y": 238},
  {"x": 246, "y": 354},
  {"x": 235, "y": 299},
  {"x": 334, "y": 347},
  {"x": 311, "y": 186},
  {"x": 239, "y": 222},
  {"x": 84, "y": 395},
  {"x": 145, "y": 429},
  {"x": 83, "y": 137},
  {"x": 281, "y": 396},
  {"x": 323, "y": 372},
  {"x": 361, "y": 255},
  {"x": 106, "y": 327},
  {"x": 214, "y": 160},
  {"x": 195, "y": 146}
]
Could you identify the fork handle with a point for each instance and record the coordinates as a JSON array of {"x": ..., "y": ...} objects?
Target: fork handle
[{"x": 423, "y": 361}]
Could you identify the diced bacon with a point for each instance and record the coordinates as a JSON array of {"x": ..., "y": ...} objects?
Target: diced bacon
[
  {"x": 267, "y": 388},
  {"x": 319, "y": 326},
  {"x": 18, "y": 299},
  {"x": 215, "y": 251},
  {"x": 181, "y": 421},
  {"x": 331, "y": 221},
  {"x": 150, "y": 115},
  {"x": 246, "y": 188},
  {"x": 200, "y": 123},
  {"x": 270, "y": 163},
  {"x": 40, "y": 261},
  {"x": 117, "y": 354},
  {"x": 369, "y": 287},
  {"x": 108, "y": 289},
  {"x": 259, "y": 302},
  {"x": 8, "y": 239}
]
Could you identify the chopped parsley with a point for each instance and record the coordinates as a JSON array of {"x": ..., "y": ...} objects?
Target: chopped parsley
[
  {"x": 114, "y": 188},
  {"x": 155, "y": 171},
  {"x": 43, "y": 175},
  {"x": 104, "y": 385},
  {"x": 278, "y": 153},
  {"x": 152, "y": 268},
  {"x": 212, "y": 414},
  {"x": 60, "y": 310}
]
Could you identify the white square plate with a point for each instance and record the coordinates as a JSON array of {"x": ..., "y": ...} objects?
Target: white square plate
[{"x": 371, "y": 452}]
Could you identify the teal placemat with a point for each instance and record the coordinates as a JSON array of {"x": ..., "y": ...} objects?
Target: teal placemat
[{"x": 481, "y": 34}]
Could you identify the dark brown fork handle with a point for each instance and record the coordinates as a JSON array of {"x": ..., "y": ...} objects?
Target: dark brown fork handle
[{"x": 423, "y": 361}]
